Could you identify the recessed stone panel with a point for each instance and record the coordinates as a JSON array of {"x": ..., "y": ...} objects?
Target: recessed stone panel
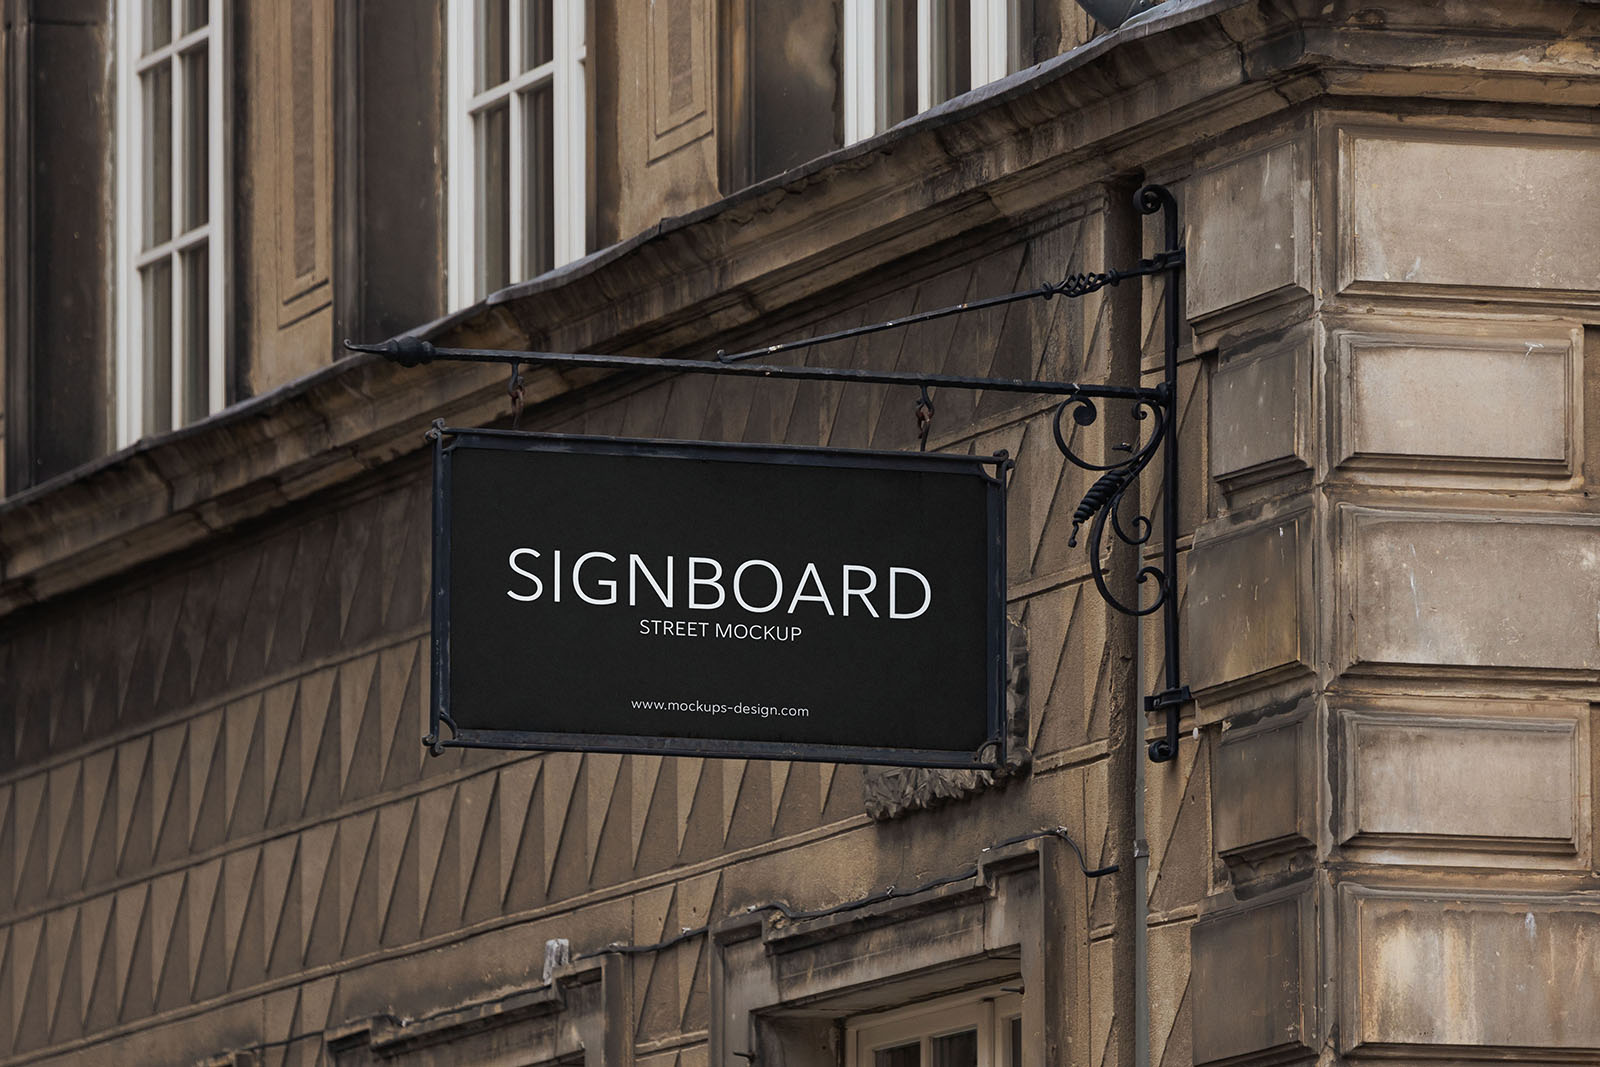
[
  {"x": 1258, "y": 423},
  {"x": 1250, "y": 980},
  {"x": 1466, "y": 589},
  {"x": 1467, "y": 209},
  {"x": 1261, "y": 808},
  {"x": 1463, "y": 398},
  {"x": 1246, "y": 607},
  {"x": 1509, "y": 778},
  {"x": 1428, "y": 971},
  {"x": 1249, "y": 234}
]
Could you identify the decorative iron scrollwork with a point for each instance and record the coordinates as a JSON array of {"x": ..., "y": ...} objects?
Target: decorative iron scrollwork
[{"x": 1102, "y": 503}]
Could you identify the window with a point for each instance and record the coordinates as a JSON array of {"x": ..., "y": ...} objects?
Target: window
[
  {"x": 970, "y": 1030},
  {"x": 902, "y": 57},
  {"x": 171, "y": 191},
  {"x": 518, "y": 127}
]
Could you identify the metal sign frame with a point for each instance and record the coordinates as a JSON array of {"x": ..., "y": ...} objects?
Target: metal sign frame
[{"x": 992, "y": 470}]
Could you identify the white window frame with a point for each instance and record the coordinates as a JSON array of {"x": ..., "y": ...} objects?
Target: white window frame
[
  {"x": 129, "y": 362},
  {"x": 865, "y": 68},
  {"x": 565, "y": 73},
  {"x": 988, "y": 1011}
]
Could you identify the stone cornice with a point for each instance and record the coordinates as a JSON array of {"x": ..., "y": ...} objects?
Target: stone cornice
[{"x": 1189, "y": 70}]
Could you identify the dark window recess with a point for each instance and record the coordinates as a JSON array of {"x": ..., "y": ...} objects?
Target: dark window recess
[
  {"x": 58, "y": 191},
  {"x": 782, "y": 59},
  {"x": 388, "y": 124}
]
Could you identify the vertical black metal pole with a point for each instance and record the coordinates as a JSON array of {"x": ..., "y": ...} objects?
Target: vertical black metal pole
[
  {"x": 1171, "y": 700},
  {"x": 438, "y": 588},
  {"x": 1169, "y": 517}
]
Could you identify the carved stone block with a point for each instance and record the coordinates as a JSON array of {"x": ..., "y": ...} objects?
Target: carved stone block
[
  {"x": 1418, "y": 212},
  {"x": 1260, "y": 411},
  {"x": 1432, "y": 402},
  {"x": 1469, "y": 589},
  {"x": 1263, "y": 797},
  {"x": 1253, "y": 982},
  {"x": 1425, "y": 973},
  {"x": 1249, "y": 236},
  {"x": 1248, "y": 604},
  {"x": 1476, "y": 778}
]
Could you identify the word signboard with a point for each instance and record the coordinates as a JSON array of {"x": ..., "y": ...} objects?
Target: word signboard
[{"x": 717, "y": 600}]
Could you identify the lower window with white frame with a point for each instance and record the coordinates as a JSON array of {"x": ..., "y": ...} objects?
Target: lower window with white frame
[{"x": 976, "y": 1029}]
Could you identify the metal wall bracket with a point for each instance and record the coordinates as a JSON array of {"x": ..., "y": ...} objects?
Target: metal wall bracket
[{"x": 1101, "y": 507}]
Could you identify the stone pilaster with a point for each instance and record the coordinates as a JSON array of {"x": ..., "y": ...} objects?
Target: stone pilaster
[{"x": 1391, "y": 605}]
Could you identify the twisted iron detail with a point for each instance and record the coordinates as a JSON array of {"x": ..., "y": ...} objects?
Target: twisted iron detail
[
  {"x": 1102, "y": 503},
  {"x": 1076, "y": 285}
]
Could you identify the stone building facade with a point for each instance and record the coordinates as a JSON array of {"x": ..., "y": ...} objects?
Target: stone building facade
[{"x": 220, "y": 838}]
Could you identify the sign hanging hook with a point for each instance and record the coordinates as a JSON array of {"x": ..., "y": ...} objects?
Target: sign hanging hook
[
  {"x": 514, "y": 389},
  {"x": 924, "y": 418}
]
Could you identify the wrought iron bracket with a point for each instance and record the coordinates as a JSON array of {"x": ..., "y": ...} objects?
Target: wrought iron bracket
[{"x": 1102, "y": 505}]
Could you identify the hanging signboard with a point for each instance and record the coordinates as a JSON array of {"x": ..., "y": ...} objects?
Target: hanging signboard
[{"x": 717, "y": 600}]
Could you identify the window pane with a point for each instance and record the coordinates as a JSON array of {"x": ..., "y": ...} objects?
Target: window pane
[
  {"x": 1014, "y": 1048},
  {"x": 494, "y": 186},
  {"x": 952, "y": 50},
  {"x": 899, "y": 37},
  {"x": 196, "y": 335},
  {"x": 195, "y": 13},
  {"x": 794, "y": 83},
  {"x": 493, "y": 61},
  {"x": 538, "y": 176},
  {"x": 157, "y": 24},
  {"x": 899, "y": 1056},
  {"x": 537, "y": 33},
  {"x": 956, "y": 1050},
  {"x": 196, "y": 139},
  {"x": 157, "y": 148},
  {"x": 156, "y": 296}
]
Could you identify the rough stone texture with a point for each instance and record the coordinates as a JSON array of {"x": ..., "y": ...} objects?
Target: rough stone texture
[
  {"x": 1413, "y": 580},
  {"x": 1475, "y": 192},
  {"x": 1250, "y": 241},
  {"x": 1528, "y": 422},
  {"x": 1260, "y": 412},
  {"x": 1405, "y": 788},
  {"x": 1248, "y": 612},
  {"x": 1264, "y": 803},
  {"x": 1445, "y": 970},
  {"x": 1255, "y": 968}
]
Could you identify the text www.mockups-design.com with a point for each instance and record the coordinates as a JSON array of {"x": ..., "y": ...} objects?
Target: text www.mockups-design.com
[{"x": 702, "y": 707}]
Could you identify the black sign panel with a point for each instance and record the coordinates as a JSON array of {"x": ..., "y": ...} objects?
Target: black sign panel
[{"x": 721, "y": 600}]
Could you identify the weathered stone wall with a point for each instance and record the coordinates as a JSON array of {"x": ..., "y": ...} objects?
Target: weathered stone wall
[
  {"x": 223, "y": 831},
  {"x": 218, "y": 830},
  {"x": 1391, "y": 608}
]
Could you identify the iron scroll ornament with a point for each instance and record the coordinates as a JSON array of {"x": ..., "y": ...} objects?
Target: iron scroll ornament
[{"x": 1101, "y": 505}]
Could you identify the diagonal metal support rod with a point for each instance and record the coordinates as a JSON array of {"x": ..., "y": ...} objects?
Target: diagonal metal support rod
[
  {"x": 1102, "y": 503},
  {"x": 411, "y": 352}
]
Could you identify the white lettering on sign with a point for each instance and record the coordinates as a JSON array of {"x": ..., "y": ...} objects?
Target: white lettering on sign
[{"x": 597, "y": 578}]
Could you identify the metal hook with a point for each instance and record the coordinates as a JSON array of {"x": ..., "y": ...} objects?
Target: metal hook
[
  {"x": 924, "y": 418},
  {"x": 514, "y": 390}
]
